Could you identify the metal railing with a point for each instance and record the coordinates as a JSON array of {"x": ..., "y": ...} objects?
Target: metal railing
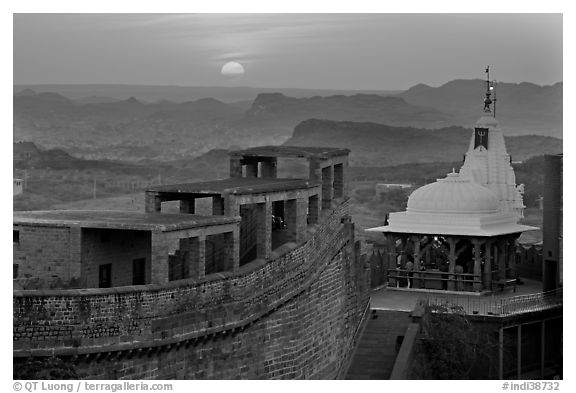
[{"x": 498, "y": 307}]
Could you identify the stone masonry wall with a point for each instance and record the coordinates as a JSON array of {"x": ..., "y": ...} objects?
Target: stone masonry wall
[
  {"x": 292, "y": 317},
  {"x": 47, "y": 251}
]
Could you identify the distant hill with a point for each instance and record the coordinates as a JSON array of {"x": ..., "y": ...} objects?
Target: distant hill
[
  {"x": 278, "y": 108},
  {"x": 26, "y": 155},
  {"x": 128, "y": 129},
  {"x": 155, "y": 93},
  {"x": 99, "y": 125},
  {"x": 374, "y": 144},
  {"x": 522, "y": 108}
]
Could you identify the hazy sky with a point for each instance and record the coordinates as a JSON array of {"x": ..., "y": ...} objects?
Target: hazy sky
[{"x": 340, "y": 51}]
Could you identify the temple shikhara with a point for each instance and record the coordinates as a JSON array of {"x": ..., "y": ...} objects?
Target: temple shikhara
[{"x": 459, "y": 233}]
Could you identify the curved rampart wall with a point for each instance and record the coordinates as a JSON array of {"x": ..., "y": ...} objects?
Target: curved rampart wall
[{"x": 292, "y": 317}]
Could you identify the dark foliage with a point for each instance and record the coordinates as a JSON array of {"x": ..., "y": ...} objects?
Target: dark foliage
[
  {"x": 451, "y": 347},
  {"x": 47, "y": 368}
]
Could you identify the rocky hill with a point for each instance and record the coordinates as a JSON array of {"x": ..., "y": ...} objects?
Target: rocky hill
[
  {"x": 374, "y": 144},
  {"x": 359, "y": 107}
]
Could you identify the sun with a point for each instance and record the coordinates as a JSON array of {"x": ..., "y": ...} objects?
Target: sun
[{"x": 232, "y": 69}]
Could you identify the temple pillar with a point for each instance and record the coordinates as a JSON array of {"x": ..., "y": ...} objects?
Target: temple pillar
[
  {"x": 452, "y": 263},
  {"x": 477, "y": 265},
  {"x": 391, "y": 240},
  {"x": 487, "y": 279},
  {"x": 501, "y": 259},
  {"x": 512, "y": 258},
  {"x": 416, "y": 279}
]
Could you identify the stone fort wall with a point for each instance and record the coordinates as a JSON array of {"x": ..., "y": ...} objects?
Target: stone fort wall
[{"x": 295, "y": 316}]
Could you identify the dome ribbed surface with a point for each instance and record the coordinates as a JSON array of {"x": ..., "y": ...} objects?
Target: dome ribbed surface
[{"x": 453, "y": 194}]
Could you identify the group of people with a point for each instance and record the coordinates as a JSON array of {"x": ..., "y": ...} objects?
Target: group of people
[{"x": 444, "y": 268}]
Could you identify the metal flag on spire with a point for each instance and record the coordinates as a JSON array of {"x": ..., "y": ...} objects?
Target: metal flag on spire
[
  {"x": 487, "y": 100},
  {"x": 493, "y": 88}
]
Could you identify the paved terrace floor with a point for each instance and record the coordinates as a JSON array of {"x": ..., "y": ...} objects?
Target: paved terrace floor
[{"x": 395, "y": 299}]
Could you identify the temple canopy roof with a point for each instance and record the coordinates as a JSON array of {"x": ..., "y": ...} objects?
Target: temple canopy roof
[
  {"x": 453, "y": 194},
  {"x": 453, "y": 206}
]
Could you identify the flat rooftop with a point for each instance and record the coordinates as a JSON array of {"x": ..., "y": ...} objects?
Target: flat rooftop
[
  {"x": 290, "y": 151},
  {"x": 119, "y": 220},
  {"x": 237, "y": 185}
]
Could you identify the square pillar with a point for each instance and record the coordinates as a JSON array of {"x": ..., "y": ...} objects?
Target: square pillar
[
  {"x": 252, "y": 169},
  {"x": 197, "y": 257},
  {"x": 232, "y": 250},
  {"x": 264, "y": 230},
  {"x": 339, "y": 180},
  {"x": 187, "y": 206},
  {"x": 235, "y": 167},
  {"x": 159, "y": 258},
  {"x": 231, "y": 206},
  {"x": 269, "y": 168},
  {"x": 314, "y": 171},
  {"x": 313, "y": 209},
  {"x": 152, "y": 202},
  {"x": 327, "y": 186},
  {"x": 295, "y": 216},
  {"x": 217, "y": 206}
]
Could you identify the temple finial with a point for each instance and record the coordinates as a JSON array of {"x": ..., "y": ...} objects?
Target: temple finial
[{"x": 487, "y": 100}]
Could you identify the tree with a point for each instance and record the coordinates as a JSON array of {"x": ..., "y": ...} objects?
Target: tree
[{"x": 451, "y": 347}]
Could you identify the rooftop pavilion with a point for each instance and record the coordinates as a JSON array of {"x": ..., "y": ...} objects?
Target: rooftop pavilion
[
  {"x": 273, "y": 210},
  {"x": 119, "y": 220},
  {"x": 109, "y": 248}
]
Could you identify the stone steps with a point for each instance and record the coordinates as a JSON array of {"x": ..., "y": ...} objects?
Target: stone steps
[{"x": 376, "y": 352}]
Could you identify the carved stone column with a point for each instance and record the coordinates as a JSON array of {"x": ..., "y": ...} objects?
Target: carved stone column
[
  {"x": 416, "y": 277},
  {"x": 452, "y": 263},
  {"x": 477, "y": 264},
  {"x": 391, "y": 240},
  {"x": 487, "y": 280}
]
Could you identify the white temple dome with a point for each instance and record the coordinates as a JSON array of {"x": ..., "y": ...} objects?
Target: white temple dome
[{"x": 455, "y": 195}]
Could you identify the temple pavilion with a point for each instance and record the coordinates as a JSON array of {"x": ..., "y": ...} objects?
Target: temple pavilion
[{"x": 459, "y": 233}]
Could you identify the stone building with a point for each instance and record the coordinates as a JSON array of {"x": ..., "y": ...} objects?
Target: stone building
[
  {"x": 271, "y": 285},
  {"x": 18, "y": 186}
]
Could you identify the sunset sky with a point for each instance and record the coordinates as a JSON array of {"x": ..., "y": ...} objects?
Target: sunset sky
[{"x": 340, "y": 51}]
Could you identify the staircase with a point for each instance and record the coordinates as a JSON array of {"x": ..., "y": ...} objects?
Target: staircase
[{"x": 378, "y": 346}]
